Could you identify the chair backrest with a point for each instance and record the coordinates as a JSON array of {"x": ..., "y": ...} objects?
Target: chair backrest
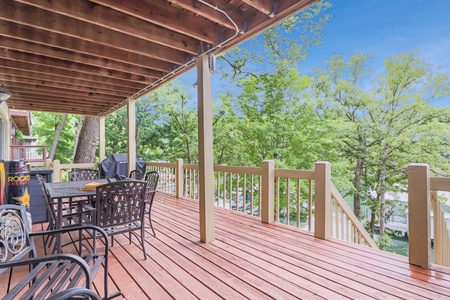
[
  {"x": 136, "y": 174},
  {"x": 45, "y": 195},
  {"x": 15, "y": 242},
  {"x": 151, "y": 178},
  {"x": 120, "y": 203},
  {"x": 83, "y": 174}
]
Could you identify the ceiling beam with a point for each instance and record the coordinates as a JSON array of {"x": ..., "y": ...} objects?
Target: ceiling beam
[
  {"x": 58, "y": 41},
  {"x": 264, "y": 6},
  {"x": 114, "y": 20},
  {"x": 214, "y": 15},
  {"x": 31, "y": 16},
  {"x": 57, "y": 106},
  {"x": 33, "y": 84},
  {"x": 49, "y": 93},
  {"x": 25, "y": 75},
  {"x": 6, "y": 63},
  {"x": 38, "y": 49},
  {"x": 167, "y": 16},
  {"x": 75, "y": 66}
]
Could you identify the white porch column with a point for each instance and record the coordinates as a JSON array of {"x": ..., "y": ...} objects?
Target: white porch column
[
  {"x": 205, "y": 150},
  {"x": 101, "y": 139},
  {"x": 419, "y": 215},
  {"x": 131, "y": 113}
]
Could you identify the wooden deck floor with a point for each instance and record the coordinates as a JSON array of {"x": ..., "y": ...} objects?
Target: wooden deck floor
[{"x": 252, "y": 260}]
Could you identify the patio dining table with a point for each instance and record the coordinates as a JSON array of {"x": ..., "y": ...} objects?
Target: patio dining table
[{"x": 68, "y": 191}]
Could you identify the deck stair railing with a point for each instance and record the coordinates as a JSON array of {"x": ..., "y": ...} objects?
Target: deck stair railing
[
  {"x": 346, "y": 225},
  {"x": 441, "y": 231},
  {"x": 294, "y": 196}
]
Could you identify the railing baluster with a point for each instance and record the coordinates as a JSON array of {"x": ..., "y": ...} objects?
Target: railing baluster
[
  {"x": 288, "y": 197},
  {"x": 244, "y": 194},
  {"x": 310, "y": 206},
  {"x": 298, "y": 204},
  {"x": 252, "y": 184},
  {"x": 277, "y": 200},
  {"x": 237, "y": 191}
]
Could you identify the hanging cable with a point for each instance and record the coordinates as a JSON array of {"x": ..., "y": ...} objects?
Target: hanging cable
[{"x": 162, "y": 79}]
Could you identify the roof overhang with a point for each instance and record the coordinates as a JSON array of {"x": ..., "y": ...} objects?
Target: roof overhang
[
  {"x": 90, "y": 56},
  {"x": 22, "y": 120}
]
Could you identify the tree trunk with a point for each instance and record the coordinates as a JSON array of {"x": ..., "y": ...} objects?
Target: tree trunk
[
  {"x": 87, "y": 142},
  {"x": 382, "y": 196},
  {"x": 373, "y": 218},
  {"x": 77, "y": 136},
  {"x": 59, "y": 129},
  {"x": 358, "y": 177}
]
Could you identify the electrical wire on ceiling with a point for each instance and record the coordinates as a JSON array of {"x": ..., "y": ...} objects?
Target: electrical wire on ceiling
[{"x": 165, "y": 77}]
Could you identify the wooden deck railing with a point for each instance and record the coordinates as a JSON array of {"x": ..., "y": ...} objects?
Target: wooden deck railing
[
  {"x": 441, "y": 230},
  {"x": 309, "y": 200},
  {"x": 60, "y": 171},
  {"x": 346, "y": 225},
  {"x": 29, "y": 153},
  {"x": 239, "y": 189}
]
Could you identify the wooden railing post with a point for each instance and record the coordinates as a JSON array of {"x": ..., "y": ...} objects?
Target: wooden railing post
[
  {"x": 179, "y": 177},
  {"x": 323, "y": 214},
  {"x": 267, "y": 189},
  {"x": 56, "y": 171},
  {"x": 419, "y": 214}
]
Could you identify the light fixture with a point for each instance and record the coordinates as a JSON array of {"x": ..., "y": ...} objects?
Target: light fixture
[{"x": 4, "y": 95}]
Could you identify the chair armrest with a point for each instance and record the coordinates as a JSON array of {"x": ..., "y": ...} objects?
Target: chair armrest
[
  {"x": 99, "y": 230},
  {"x": 48, "y": 274},
  {"x": 76, "y": 228},
  {"x": 69, "y": 293},
  {"x": 49, "y": 258},
  {"x": 87, "y": 207}
]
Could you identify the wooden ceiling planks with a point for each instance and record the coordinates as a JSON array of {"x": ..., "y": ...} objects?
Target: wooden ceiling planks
[{"x": 90, "y": 56}]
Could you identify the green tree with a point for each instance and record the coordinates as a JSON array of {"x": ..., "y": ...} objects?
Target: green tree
[
  {"x": 385, "y": 122},
  {"x": 406, "y": 121},
  {"x": 343, "y": 101},
  {"x": 45, "y": 125}
]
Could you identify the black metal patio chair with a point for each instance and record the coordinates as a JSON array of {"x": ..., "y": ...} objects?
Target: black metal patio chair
[
  {"x": 83, "y": 174},
  {"x": 151, "y": 178},
  {"x": 120, "y": 209},
  {"x": 73, "y": 214},
  {"x": 57, "y": 276},
  {"x": 135, "y": 174}
]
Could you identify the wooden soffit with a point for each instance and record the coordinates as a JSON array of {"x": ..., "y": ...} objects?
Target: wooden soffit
[{"x": 89, "y": 56}]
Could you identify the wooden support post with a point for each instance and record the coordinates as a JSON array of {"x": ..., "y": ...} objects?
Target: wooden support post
[
  {"x": 205, "y": 151},
  {"x": 131, "y": 110},
  {"x": 56, "y": 171},
  {"x": 323, "y": 216},
  {"x": 419, "y": 215},
  {"x": 48, "y": 163},
  {"x": 267, "y": 190},
  {"x": 101, "y": 139},
  {"x": 179, "y": 178}
]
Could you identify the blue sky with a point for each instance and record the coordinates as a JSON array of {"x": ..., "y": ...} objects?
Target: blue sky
[{"x": 382, "y": 28}]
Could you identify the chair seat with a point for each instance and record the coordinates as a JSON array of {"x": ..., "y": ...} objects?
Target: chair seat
[{"x": 124, "y": 228}]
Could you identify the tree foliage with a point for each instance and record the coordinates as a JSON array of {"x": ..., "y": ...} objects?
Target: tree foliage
[
  {"x": 44, "y": 127},
  {"x": 385, "y": 122}
]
